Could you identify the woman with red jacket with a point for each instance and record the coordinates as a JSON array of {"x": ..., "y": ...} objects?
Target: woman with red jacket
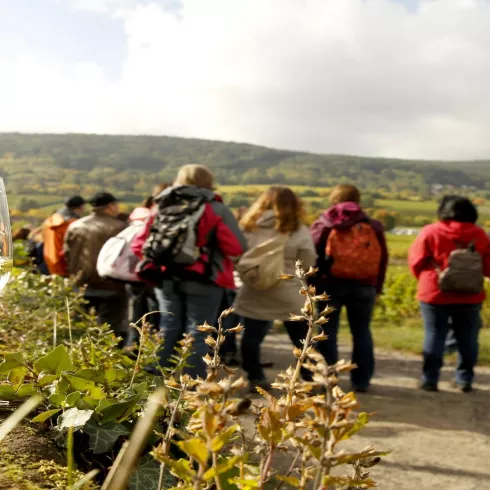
[
  {"x": 428, "y": 256},
  {"x": 189, "y": 296}
]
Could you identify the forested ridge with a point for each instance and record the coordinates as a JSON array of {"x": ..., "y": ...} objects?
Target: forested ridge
[{"x": 55, "y": 164}]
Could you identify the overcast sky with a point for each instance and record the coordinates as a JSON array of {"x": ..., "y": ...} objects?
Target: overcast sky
[{"x": 404, "y": 78}]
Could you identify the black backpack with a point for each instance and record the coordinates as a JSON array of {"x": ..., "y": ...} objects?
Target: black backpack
[{"x": 173, "y": 234}]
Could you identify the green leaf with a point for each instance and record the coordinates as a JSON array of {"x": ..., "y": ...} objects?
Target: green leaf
[
  {"x": 11, "y": 361},
  {"x": 104, "y": 403},
  {"x": 7, "y": 392},
  {"x": 181, "y": 468},
  {"x": 87, "y": 403},
  {"x": 42, "y": 417},
  {"x": 25, "y": 390},
  {"x": 46, "y": 378},
  {"x": 223, "y": 438},
  {"x": 119, "y": 411},
  {"x": 246, "y": 483},
  {"x": 55, "y": 362},
  {"x": 17, "y": 375},
  {"x": 196, "y": 449},
  {"x": 72, "y": 399},
  {"x": 224, "y": 466},
  {"x": 359, "y": 424},
  {"x": 57, "y": 399},
  {"x": 84, "y": 385},
  {"x": 290, "y": 480},
  {"x": 147, "y": 474},
  {"x": 73, "y": 417},
  {"x": 103, "y": 437}
]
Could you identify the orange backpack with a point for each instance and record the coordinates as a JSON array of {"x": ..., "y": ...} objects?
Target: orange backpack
[{"x": 355, "y": 251}]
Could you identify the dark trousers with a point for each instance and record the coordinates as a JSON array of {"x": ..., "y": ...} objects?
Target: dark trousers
[
  {"x": 466, "y": 324},
  {"x": 253, "y": 336},
  {"x": 112, "y": 310},
  {"x": 229, "y": 347},
  {"x": 142, "y": 300},
  {"x": 359, "y": 302}
]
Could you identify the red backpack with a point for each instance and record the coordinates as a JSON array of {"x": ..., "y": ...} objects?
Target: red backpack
[{"x": 355, "y": 251}]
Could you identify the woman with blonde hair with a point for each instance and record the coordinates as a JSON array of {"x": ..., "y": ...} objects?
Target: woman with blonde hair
[
  {"x": 189, "y": 293},
  {"x": 277, "y": 212}
]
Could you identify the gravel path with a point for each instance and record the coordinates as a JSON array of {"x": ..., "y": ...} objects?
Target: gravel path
[{"x": 438, "y": 440}]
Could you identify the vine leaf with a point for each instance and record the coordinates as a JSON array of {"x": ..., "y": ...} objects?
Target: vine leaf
[
  {"x": 147, "y": 474},
  {"x": 103, "y": 437},
  {"x": 74, "y": 418},
  {"x": 55, "y": 362}
]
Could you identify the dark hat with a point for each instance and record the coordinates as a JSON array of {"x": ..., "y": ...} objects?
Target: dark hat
[
  {"x": 75, "y": 202},
  {"x": 102, "y": 199}
]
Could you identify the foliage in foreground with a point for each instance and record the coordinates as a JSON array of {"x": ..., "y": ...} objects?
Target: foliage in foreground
[{"x": 207, "y": 435}]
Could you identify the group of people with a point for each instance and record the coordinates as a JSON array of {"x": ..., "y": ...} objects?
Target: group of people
[{"x": 190, "y": 250}]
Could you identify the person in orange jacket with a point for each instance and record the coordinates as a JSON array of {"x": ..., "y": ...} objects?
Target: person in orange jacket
[{"x": 54, "y": 230}]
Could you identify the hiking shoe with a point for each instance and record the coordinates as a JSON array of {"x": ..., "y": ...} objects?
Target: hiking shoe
[
  {"x": 464, "y": 387},
  {"x": 429, "y": 387},
  {"x": 254, "y": 384}
]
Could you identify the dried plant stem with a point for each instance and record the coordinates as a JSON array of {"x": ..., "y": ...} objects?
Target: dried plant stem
[
  {"x": 291, "y": 469},
  {"x": 169, "y": 434},
  {"x": 311, "y": 327},
  {"x": 69, "y": 324}
]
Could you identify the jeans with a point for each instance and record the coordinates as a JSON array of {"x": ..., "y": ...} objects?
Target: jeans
[
  {"x": 142, "y": 301},
  {"x": 184, "y": 305},
  {"x": 359, "y": 302},
  {"x": 111, "y": 308},
  {"x": 466, "y": 323}
]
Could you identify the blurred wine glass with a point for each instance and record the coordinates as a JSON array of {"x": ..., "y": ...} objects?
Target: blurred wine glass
[{"x": 6, "y": 255}]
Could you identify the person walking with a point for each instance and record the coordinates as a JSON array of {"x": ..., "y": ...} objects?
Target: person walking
[
  {"x": 141, "y": 296},
  {"x": 352, "y": 261},
  {"x": 450, "y": 259},
  {"x": 84, "y": 240},
  {"x": 188, "y": 246},
  {"x": 54, "y": 230},
  {"x": 276, "y": 215}
]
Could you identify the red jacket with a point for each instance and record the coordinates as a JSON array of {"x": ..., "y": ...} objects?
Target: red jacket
[
  {"x": 230, "y": 241},
  {"x": 433, "y": 246}
]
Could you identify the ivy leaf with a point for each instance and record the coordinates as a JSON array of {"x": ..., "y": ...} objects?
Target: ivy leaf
[
  {"x": 42, "y": 417},
  {"x": 73, "y": 417},
  {"x": 146, "y": 476},
  {"x": 55, "y": 362},
  {"x": 57, "y": 399},
  {"x": 119, "y": 411},
  {"x": 46, "y": 378},
  {"x": 11, "y": 361},
  {"x": 7, "y": 392},
  {"x": 103, "y": 437},
  {"x": 25, "y": 391},
  {"x": 17, "y": 375},
  {"x": 72, "y": 398}
]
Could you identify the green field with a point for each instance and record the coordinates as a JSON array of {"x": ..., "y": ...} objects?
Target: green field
[{"x": 398, "y": 245}]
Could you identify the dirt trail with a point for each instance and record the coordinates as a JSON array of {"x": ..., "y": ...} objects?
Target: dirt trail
[{"x": 439, "y": 440}]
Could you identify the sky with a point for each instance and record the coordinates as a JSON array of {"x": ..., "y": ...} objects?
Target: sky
[{"x": 392, "y": 78}]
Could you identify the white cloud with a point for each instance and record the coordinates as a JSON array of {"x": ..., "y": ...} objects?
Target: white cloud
[{"x": 345, "y": 76}]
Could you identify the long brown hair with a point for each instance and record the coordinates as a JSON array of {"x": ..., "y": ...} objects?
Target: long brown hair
[{"x": 286, "y": 205}]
